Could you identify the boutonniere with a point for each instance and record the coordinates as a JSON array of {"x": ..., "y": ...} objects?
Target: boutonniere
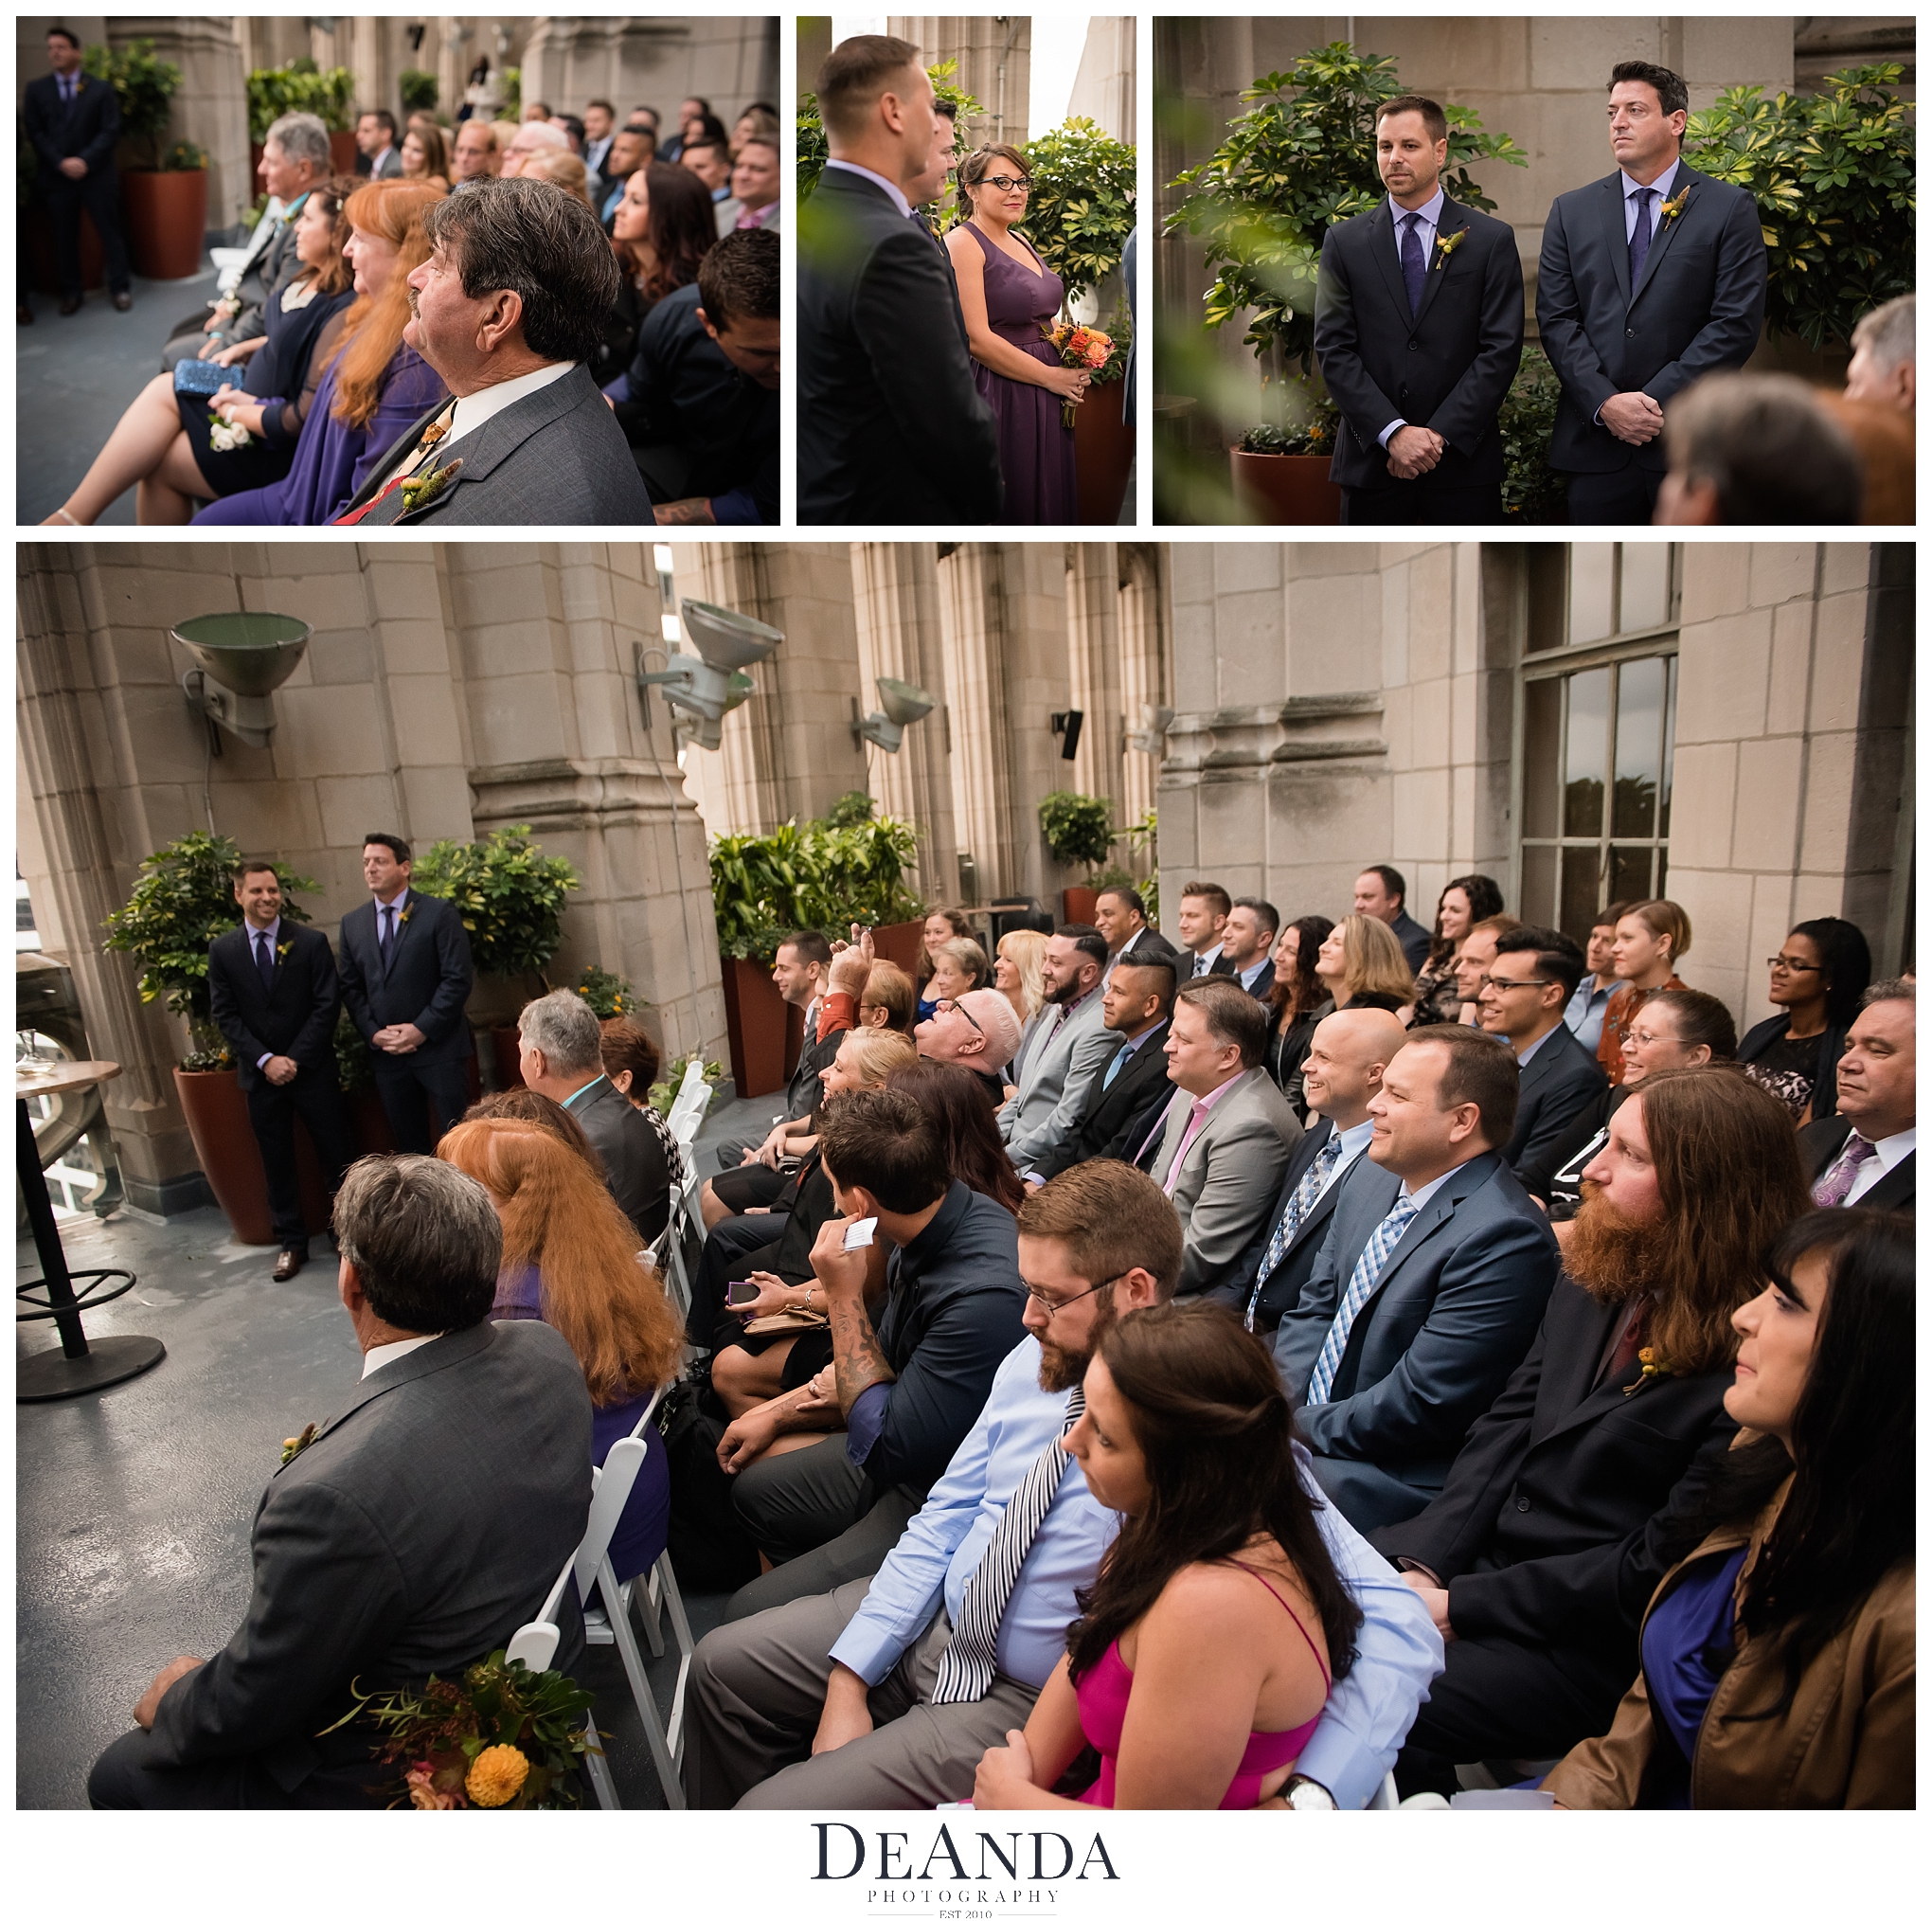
[
  {"x": 1447, "y": 246},
  {"x": 419, "y": 491},
  {"x": 295, "y": 1443},
  {"x": 402, "y": 919},
  {"x": 1672, "y": 208},
  {"x": 1654, "y": 1368},
  {"x": 283, "y": 949}
]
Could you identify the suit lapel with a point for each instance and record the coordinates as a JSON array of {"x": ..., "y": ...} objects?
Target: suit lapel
[
  {"x": 1382, "y": 244},
  {"x": 1665, "y": 232},
  {"x": 1570, "y": 1354},
  {"x": 1442, "y": 1205},
  {"x": 1614, "y": 236},
  {"x": 1437, "y": 265}
]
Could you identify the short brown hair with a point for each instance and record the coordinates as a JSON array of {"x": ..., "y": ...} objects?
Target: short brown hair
[
  {"x": 1110, "y": 1218},
  {"x": 1479, "y": 1068},
  {"x": 623, "y": 1047},
  {"x": 979, "y": 164},
  {"x": 1665, "y": 919},
  {"x": 1210, "y": 890},
  {"x": 890, "y": 987},
  {"x": 1434, "y": 119},
  {"x": 1234, "y": 1017},
  {"x": 855, "y": 74},
  {"x": 248, "y": 866},
  {"x": 884, "y": 1142}
]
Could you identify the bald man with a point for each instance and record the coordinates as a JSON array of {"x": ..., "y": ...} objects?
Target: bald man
[{"x": 1341, "y": 1077}]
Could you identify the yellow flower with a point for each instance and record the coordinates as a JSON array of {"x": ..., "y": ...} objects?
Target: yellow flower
[{"x": 497, "y": 1775}]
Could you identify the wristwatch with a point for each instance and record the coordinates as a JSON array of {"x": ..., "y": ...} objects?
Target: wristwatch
[{"x": 1309, "y": 1797}]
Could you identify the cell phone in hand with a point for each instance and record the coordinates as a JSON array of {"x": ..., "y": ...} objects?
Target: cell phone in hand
[
  {"x": 860, "y": 1233},
  {"x": 740, "y": 1293}
]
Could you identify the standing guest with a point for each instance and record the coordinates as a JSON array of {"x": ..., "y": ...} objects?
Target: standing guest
[
  {"x": 425, "y": 153},
  {"x": 1009, "y": 296},
  {"x": 531, "y": 138},
  {"x": 1247, "y": 941},
  {"x": 631, "y": 1061},
  {"x": 1122, "y": 1103},
  {"x": 1651, "y": 938},
  {"x": 1472, "y": 960},
  {"x": 508, "y": 308},
  {"x": 1584, "y": 1016},
  {"x": 1227, "y": 1143},
  {"x": 1523, "y": 994},
  {"x": 1184, "y": 1433},
  {"x": 1430, "y": 1287},
  {"x": 1863, "y": 1156},
  {"x": 1649, "y": 280},
  {"x": 599, "y": 120},
  {"x": 710, "y": 161},
  {"x": 1818, "y": 977},
  {"x": 375, "y": 141},
  {"x": 570, "y": 1261},
  {"x": 1201, "y": 923},
  {"x": 405, "y": 976},
  {"x": 1017, "y": 970},
  {"x": 560, "y": 1052},
  {"x": 753, "y": 201},
  {"x": 274, "y": 994},
  {"x": 73, "y": 124},
  {"x": 1466, "y": 900},
  {"x": 1537, "y": 1556},
  {"x": 1292, "y": 999},
  {"x": 1381, "y": 893},
  {"x": 976, "y": 1030},
  {"x": 1066, "y": 1050},
  {"x": 418, "y": 1530},
  {"x": 891, "y": 428},
  {"x": 1777, "y": 1654},
  {"x": 634, "y": 146},
  {"x": 476, "y": 156},
  {"x": 1885, "y": 367},
  {"x": 1362, "y": 965}
]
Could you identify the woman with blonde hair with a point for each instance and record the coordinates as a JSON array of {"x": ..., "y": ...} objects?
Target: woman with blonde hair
[
  {"x": 1652, "y": 936},
  {"x": 570, "y": 1259},
  {"x": 563, "y": 169},
  {"x": 1361, "y": 963},
  {"x": 1017, "y": 971}
]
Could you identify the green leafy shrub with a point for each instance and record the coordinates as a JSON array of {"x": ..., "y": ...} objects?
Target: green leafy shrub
[
  {"x": 663, "y": 1093},
  {"x": 1313, "y": 431},
  {"x": 1079, "y": 828},
  {"x": 609, "y": 994},
  {"x": 185, "y": 158},
  {"x": 812, "y": 151},
  {"x": 510, "y": 896},
  {"x": 818, "y": 875},
  {"x": 352, "y": 1068},
  {"x": 300, "y": 87},
  {"x": 512, "y": 92},
  {"x": 1533, "y": 491},
  {"x": 144, "y": 88},
  {"x": 418, "y": 89},
  {"x": 1082, "y": 207}
]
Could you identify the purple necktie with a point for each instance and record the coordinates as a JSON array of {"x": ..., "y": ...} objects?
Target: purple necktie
[
  {"x": 1640, "y": 235},
  {"x": 1413, "y": 271},
  {"x": 388, "y": 932},
  {"x": 265, "y": 960},
  {"x": 1833, "y": 1187}
]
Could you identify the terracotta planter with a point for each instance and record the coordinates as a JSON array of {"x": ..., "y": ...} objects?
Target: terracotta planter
[
  {"x": 506, "y": 1056},
  {"x": 1286, "y": 489},
  {"x": 900, "y": 944},
  {"x": 217, "y": 1114},
  {"x": 758, "y": 1026},
  {"x": 1102, "y": 454},
  {"x": 1078, "y": 904},
  {"x": 40, "y": 251},
  {"x": 167, "y": 215}
]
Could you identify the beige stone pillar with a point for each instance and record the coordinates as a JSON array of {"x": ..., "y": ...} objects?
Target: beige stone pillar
[
  {"x": 211, "y": 107},
  {"x": 1143, "y": 682},
  {"x": 639, "y": 61},
  {"x": 1093, "y": 653},
  {"x": 996, "y": 66}
]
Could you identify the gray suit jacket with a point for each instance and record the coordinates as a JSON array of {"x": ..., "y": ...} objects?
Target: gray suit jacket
[
  {"x": 633, "y": 1156},
  {"x": 557, "y": 457},
  {"x": 1233, "y": 1171},
  {"x": 1056, "y": 1075},
  {"x": 420, "y": 1530}
]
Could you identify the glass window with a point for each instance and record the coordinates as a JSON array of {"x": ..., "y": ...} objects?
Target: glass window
[{"x": 1596, "y": 590}]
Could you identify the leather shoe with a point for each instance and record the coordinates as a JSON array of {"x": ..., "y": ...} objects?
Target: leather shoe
[
  {"x": 123, "y": 301},
  {"x": 289, "y": 1264},
  {"x": 70, "y": 304}
]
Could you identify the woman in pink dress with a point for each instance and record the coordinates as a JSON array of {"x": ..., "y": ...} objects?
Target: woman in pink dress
[{"x": 1207, "y": 1646}]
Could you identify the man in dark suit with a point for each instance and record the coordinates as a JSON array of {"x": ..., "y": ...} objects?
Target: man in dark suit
[
  {"x": 507, "y": 309},
  {"x": 1649, "y": 280},
  {"x": 1430, "y": 1287},
  {"x": 73, "y": 124},
  {"x": 1521, "y": 999},
  {"x": 558, "y": 1044},
  {"x": 1417, "y": 331},
  {"x": 1382, "y": 894},
  {"x": 405, "y": 976},
  {"x": 1865, "y": 1155},
  {"x": 891, "y": 428},
  {"x": 273, "y": 990},
  {"x": 1247, "y": 945},
  {"x": 412, "y": 1534},
  {"x": 1341, "y": 1076},
  {"x": 378, "y": 157},
  {"x": 1137, "y": 998}
]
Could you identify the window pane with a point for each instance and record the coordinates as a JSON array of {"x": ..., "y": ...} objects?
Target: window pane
[
  {"x": 1588, "y": 756},
  {"x": 1590, "y": 575},
  {"x": 1646, "y": 586},
  {"x": 1542, "y": 742},
  {"x": 1630, "y": 873},
  {"x": 1670, "y": 749},
  {"x": 1663, "y": 873},
  {"x": 1639, "y": 748},
  {"x": 1580, "y": 879},
  {"x": 1539, "y": 886}
]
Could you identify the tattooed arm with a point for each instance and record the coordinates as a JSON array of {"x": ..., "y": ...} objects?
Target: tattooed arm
[{"x": 847, "y": 1278}]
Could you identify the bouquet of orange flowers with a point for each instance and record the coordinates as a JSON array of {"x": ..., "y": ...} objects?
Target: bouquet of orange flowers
[{"x": 1082, "y": 347}]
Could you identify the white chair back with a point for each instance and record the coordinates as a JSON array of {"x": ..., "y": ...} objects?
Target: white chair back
[{"x": 688, "y": 1109}]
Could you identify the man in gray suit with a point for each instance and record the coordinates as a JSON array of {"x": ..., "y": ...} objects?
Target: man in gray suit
[
  {"x": 412, "y": 1534},
  {"x": 1066, "y": 1048},
  {"x": 508, "y": 308},
  {"x": 1228, "y": 1143}
]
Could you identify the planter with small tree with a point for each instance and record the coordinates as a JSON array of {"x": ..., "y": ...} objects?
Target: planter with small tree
[
  {"x": 1079, "y": 831},
  {"x": 302, "y": 87},
  {"x": 167, "y": 200}
]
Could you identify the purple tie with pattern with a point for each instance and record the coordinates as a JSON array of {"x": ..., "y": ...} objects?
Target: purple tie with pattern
[
  {"x": 1413, "y": 271},
  {"x": 1837, "y": 1183},
  {"x": 1641, "y": 234}
]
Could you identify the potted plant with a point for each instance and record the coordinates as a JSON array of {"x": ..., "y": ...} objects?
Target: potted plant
[
  {"x": 812, "y": 151},
  {"x": 167, "y": 200},
  {"x": 1281, "y": 473},
  {"x": 1079, "y": 830},
  {"x": 302, "y": 87},
  {"x": 418, "y": 89}
]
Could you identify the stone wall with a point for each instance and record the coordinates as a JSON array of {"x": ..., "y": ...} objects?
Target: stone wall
[
  {"x": 995, "y": 68},
  {"x": 648, "y": 61}
]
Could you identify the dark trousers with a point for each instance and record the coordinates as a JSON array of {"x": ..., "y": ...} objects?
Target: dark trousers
[
  {"x": 751, "y": 1184},
  {"x": 121, "y": 1778},
  {"x": 272, "y": 1112},
  {"x": 726, "y": 1246},
  {"x": 100, "y": 194},
  {"x": 794, "y": 1503},
  {"x": 407, "y": 1085},
  {"x": 1625, "y": 499},
  {"x": 855, "y": 1556},
  {"x": 1416, "y": 503}
]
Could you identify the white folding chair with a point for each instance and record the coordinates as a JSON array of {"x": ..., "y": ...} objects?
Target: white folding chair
[{"x": 688, "y": 1109}]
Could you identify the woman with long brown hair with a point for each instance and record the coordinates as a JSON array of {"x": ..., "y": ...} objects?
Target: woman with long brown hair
[
  {"x": 570, "y": 1259},
  {"x": 662, "y": 229},
  {"x": 375, "y": 386},
  {"x": 1297, "y": 991},
  {"x": 425, "y": 152},
  {"x": 1467, "y": 899},
  {"x": 965, "y": 1121}
]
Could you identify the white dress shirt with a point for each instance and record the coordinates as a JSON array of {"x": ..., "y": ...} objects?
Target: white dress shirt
[
  {"x": 475, "y": 409},
  {"x": 394, "y": 1350},
  {"x": 879, "y": 180},
  {"x": 1886, "y": 1154}
]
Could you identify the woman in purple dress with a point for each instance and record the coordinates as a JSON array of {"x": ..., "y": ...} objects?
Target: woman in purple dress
[{"x": 1007, "y": 296}]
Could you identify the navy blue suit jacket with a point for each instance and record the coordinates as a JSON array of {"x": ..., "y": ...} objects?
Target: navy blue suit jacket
[
  {"x": 1282, "y": 1286},
  {"x": 89, "y": 130},
  {"x": 1561, "y": 1079},
  {"x": 295, "y": 1015},
  {"x": 425, "y": 983}
]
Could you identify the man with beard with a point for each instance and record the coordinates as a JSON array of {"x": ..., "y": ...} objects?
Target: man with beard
[
  {"x": 943, "y": 1650},
  {"x": 1538, "y": 1556}
]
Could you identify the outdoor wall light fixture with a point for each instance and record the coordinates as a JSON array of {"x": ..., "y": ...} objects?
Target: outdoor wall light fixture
[
  {"x": 1154, "y": 721},
  {"x": 240, "y": 661},
  {"x": 902, "y": 703},
  {"x": 1067, "y": 726},
  {"x": 708, "y": 685}
]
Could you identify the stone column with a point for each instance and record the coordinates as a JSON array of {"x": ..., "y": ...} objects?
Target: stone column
[
  {"x": 1103, "y": 89},
  {"x": 210, "y": 108},
  {"x": 1093, "y": 637},
  {"x": 1143, "y": 681},
  {"x": 996, "y": 66},
  {"x": 638, "y": 62}
]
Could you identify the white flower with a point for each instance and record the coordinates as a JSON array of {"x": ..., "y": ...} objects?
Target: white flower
[{"x": 223, "y": 437}]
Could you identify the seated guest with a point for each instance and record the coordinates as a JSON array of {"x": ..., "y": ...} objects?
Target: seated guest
[
  {"x": 1682, "y": 1029},
  {"x": 700, "y": 402},
  {"x": 1523, "y": 994},
  {"x": 559, "y": 1052},
  {"x": 1430, "y": 1287},
  {"x": 631, "y": 1062},
  {"x": 1472, "y": 962},
  {"x": 1229, "y": 1134},
  {"x": 1201, "y": 924},
  {"x": 425, "y": 156},
  {"x": 636, "y": 145},
  {"x": 1885, "y": 370},
  {"x": 1120, "y": 915},
  {"x": 1292, "y": 999},
  {"x": 1345, "y": 1058},
  {"x": 561, "y": 170},
  {"x": 922, "y": 1679},
  {"x": 1017, "y": 971},
  {"x": 1584, "y": 1016},
  {"x": 753, "y": 201},
  {"x": 476, "y": 156},
  {"x": 960, "y": 966},
  {"x": 862, "y": 991},
  {"x": 1247, "y": 943},
  {"x": 1863, "y": 1155},
  {"x": 660, "y": 232},
  {"x": 1186, "y": 1434},
  {"x": 533, "y": 137},
  {"x": 1819, "y": 977},
  {"x": 421, "y": 1525},
  {"x": 1779, "y": 1654},
  {"x": 570, "y": 1259},
  {"x": 532, "y": 1109},
  {"x": 970, "y": 1141},
  {"x": 1381, "y": 893},
  {"x": 710, "y": 162},
  {"x": 1757, "y": 450},
  {"x": 1538, "y": 1556},
  {"x": 976, "y": 1031},
  {"x": 1124, "y": 1102},
  {"x": 374, "y": 382},
  {"x": 1650, "y": 940},
  {"x": 1066, "y": 1050},
  {"x": 508, "y": 308},
  {"x": 906, "y": 1395},
  {"x": 1466, "y": 900},
  {"x": 941, "y": 925},
  {"x": 1362, "y": 965}
]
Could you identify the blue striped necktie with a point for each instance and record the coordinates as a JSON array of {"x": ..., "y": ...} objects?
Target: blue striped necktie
[
  {"x": 1361, "y": 1285},
  {"x": 1300, "y": 1202}
]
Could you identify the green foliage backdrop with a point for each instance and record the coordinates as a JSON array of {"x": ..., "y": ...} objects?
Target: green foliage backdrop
[
  {"x": 300, "y": 87},
  {"x": 822, "y": 875},
  {"x": 1082, "y": 207},
  {"x": 510, "y": 896}
]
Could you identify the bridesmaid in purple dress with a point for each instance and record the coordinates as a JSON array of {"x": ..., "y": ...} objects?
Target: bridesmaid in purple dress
[{"x": 1006, "y": 295}]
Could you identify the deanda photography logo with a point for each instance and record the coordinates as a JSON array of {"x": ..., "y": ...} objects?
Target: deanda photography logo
[{"x": 960, "y": 1873}]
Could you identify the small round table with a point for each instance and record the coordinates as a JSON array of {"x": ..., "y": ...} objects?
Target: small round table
[{"x": 75, "y": 1367}]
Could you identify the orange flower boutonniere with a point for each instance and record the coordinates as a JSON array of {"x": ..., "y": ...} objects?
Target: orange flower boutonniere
[
  {"x": 1447, "y": 246},
  {"x": 1654, "y": 1368},
  {"x": 1672, "y": 208},
  {"x": 295, "y": 1443}
]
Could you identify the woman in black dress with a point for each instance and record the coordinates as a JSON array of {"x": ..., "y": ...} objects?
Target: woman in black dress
[
  {"x": 1817, "y": 975},
  {"x": 1292, "y": 1003}
]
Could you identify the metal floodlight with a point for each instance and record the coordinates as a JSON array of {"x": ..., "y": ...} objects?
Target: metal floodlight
[
  {"x": 1154, "y": 721},
  {"x": 727, "y": 640},
  {"x": 247, "y": 656},
  {"x": 902, "y": 703},
  {"x": 709, "y": 683}
]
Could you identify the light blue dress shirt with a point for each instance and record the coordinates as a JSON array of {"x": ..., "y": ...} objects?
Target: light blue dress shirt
[
  {"x": 1249, "y": 976},
  {"x": 1584, "y": 1016},
  {"x": 1428, "y": 217},
  {"x": 1660, "y": 187},
  {"x": 572, "y": 1100},
  {"x": 1399, "y": 1652}
]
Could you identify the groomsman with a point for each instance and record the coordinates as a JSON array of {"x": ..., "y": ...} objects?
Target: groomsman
[
  {"x": 1649, "y": 280},
  {"x": 273, "y": 990},
  {"x": 1418, "y": 330}
]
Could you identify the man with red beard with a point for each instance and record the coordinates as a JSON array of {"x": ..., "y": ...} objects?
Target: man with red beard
[{"x": 1537, "y": 1558}]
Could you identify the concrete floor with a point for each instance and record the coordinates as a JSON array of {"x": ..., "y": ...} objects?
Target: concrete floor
[{"x": 134, "y": 1504}]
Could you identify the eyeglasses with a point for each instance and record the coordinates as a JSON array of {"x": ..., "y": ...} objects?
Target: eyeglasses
[
  {"x": 939, "y": 1006},
  {"x": 1483, "y": 980},
  {"x": 1052, "y": 1307},
  {"x": 1001, "y": 183},
  {"x": 1778, "y": 964},
  {"x": 1642, "y": 1037}
]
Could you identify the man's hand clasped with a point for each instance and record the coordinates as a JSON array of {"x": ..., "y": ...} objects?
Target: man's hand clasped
[
  {"x": 1414, "y": 450},
  {"x": 1634, "y": 418}
]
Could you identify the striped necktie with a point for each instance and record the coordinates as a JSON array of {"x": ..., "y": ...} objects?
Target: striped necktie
[
  {"x": 967, "y": 1666},
  {"x": 1361, "y": 1285},
  {"x": 1300, "y": 1202}
]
